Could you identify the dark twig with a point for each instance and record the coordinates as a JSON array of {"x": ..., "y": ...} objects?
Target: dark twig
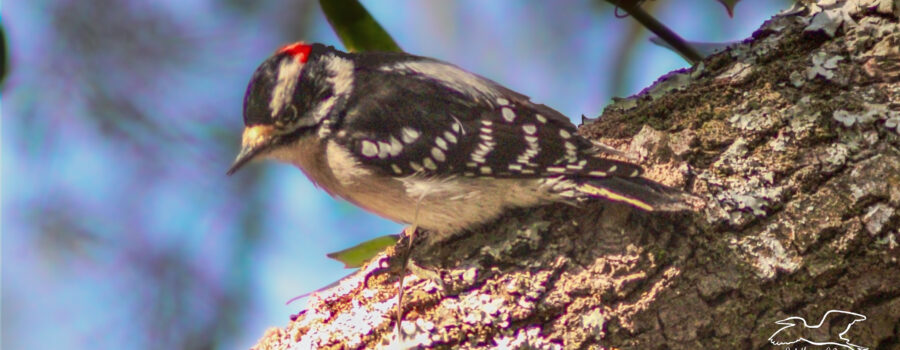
[{"x": 634, "y": 9}]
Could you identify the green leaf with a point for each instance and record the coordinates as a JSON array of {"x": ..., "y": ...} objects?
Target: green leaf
[
  {"x": 729, "y": 6},
  {"x": 356, "y": 28},
  {"x": 4, "y": 56},
  {"x": 357, "y": 255}
]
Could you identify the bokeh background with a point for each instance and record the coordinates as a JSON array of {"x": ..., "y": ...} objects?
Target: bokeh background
[{"x": 120, "y": 229}]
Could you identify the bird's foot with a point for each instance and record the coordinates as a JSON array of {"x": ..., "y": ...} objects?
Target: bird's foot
[{"x": 393, "y": 264}]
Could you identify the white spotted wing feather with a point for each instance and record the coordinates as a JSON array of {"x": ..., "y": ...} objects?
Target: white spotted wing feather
[{"x": 446, "y": 123}]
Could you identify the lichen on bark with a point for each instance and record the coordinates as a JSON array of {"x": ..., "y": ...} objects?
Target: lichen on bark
[{"x": 791, "y": 139}]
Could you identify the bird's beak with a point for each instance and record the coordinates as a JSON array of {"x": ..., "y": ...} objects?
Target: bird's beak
[{"x": 256, "y": 140}]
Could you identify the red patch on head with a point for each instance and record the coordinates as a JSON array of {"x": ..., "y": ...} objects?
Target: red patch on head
[{"x": 298, "y": 50}]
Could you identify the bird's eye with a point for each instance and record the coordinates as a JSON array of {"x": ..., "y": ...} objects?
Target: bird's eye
[{"x": 287, "y": 118}]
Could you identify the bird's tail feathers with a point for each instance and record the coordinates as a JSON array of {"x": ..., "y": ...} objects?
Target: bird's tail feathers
[{"x": 638, "y": 192}]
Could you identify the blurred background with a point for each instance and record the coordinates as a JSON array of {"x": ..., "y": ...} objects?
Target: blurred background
[{"x": 119, "y": 119}]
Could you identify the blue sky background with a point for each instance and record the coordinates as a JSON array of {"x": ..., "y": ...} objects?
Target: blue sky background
[{"x": 119, "y": 226}]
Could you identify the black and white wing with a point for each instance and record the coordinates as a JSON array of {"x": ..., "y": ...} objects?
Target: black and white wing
[
  {"x": 451, "y": 122},
  {"x": 447, "y": 122}
]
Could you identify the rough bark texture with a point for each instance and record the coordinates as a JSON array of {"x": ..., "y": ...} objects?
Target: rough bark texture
[{"x": 791, "y": 140}]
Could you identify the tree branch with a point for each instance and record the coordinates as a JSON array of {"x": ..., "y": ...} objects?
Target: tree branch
[
  {"x": 792, "y": 140},
  {"x": 678, "y": 44}
]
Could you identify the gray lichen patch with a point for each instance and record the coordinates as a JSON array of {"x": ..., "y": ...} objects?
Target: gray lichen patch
[
  {"x": 832, "y": 15},
  {"x": 528, "y": 338},
  {"x": 877, "y": 217},
  {"x": 767, "y": 254},
  {"x": 759, "y": 118},
  {"x": 849, "y": 119},
  {"x": 823, "y": 65},
  {"x": 737, "y": 73}
]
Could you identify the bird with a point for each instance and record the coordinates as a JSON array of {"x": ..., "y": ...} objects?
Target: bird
[
  {"x": 423, "y": 142},
  {"x": 796, "y": 330}
]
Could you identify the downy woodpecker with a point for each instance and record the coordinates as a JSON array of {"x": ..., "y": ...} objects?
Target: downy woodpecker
[{"x": 417, "y": 140}]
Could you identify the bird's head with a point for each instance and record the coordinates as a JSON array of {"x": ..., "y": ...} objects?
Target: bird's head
[{"x": 282, "y": 100}]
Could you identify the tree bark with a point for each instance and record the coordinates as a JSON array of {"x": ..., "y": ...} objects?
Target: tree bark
[{"x": 792, "y": 141}]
